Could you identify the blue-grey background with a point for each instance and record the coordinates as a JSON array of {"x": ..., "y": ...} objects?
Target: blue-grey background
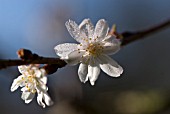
[{"x": 39, "y": 25}]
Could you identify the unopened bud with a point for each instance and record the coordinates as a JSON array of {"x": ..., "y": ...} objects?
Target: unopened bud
[{"x": 24, "y": 54}]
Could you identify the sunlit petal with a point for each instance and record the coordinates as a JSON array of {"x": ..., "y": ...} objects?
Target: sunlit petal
[
  {"x": 39, "y": 100},
  {"x": 93, "y": 72},
  {"x": 22, "y": 68},
  {"x": 75, "y": 32},
  {"x": 109, "y": 66},
  {"x": 27, "y": 97},
  {"x": 16, "y": 83},
  {"x": 75, "y": 57},
  {"x": 47, "y": 99},
  {"x": 101, "y": 30},
  {"x": 44, "y": 79},
  {"x": 111, "y": 46},
  {"x": 87, "y": 27},
  {"x": 82, "y": 72},
  {"x": 63, "y": 50},
  {"x": 44, "y": 97}
]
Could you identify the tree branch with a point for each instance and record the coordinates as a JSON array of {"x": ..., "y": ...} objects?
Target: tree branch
[
  {"x": 129, "y": 37},
  {"x": 41, "y": 60},
  {"x": 29, "y": 58}
]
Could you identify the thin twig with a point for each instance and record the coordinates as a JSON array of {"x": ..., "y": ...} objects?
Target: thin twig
[
  {"x": 129, "y": 37},
  {"x": 40, "y": 60}
]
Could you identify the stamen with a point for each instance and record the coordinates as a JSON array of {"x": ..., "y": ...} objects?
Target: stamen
[
  {"x": 33, "y": 91},
  {"x": 29, "y": 89},
  {"x": 94, "y": 49},
  {"x": 91, "y": 44}
]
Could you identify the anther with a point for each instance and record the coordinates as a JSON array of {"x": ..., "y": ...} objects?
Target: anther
[
  {"x": 29, "y": 89},
  {"x": 91, "y": 44}
]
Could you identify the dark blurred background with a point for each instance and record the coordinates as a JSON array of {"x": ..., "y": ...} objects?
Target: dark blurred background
[{"x": 39, "y": 25}]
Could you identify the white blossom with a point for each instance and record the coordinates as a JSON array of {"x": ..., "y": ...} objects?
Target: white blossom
[
  {"x": 92, "y": 51},
  {"x": 32, "y": 80}
]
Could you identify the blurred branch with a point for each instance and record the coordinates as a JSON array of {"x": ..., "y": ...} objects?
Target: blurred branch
[
  {"x": 40, "y": 60},
  {"x": 129, "y": 37},
  {"x": 28, "y": 58}
]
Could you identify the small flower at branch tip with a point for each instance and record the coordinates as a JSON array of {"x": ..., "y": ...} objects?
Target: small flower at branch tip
[
  {"x": 32, "y": 80},
  {"x": 95, "y": 44}
]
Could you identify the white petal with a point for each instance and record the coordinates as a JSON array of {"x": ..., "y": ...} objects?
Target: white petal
[
  {"x": 44, "y": 96},
  {"x": 109, "y": 66},
  {"x": 27, "y": 97},
  {"x": 101, "y": 30},
  {"x": 63, "y": 50},
  {"x": 33, "y": 67},
  {"x": 47, "y": 99},
  {"x": 111, "y": 46},
  {"x": 75, "y": 57},
  {"x": 41, "y": 87},
  {"x": 75, "y": 32},
  {"x": 44, "y": 79},
  {"x": 16, "y": 83},
  {"x": 23, "y": 68},
  {"x": 39, "y": 100},
  {"x": 93, "y": 72},
  {"x": 43, "y": 72},
  {"x": 38, "y": 73},
  {"x": 24, "y": 89},
  {"x": 87, "y": 27},
  {"x": 82, "y": 72}
]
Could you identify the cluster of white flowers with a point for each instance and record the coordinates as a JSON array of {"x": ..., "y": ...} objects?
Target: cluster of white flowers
[
  {"x": 32, "y": 80},
  {"x": 92, "y": 52}
]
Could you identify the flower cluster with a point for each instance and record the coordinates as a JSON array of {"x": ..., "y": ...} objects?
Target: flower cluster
[
  {"x": 32, "y": 80},
  {"x": 95, "y": 44}
]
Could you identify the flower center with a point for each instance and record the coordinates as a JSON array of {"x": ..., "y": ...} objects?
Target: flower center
[
  {"x": 30, "y": 80},
  {"x": 94, "y": 49}
]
